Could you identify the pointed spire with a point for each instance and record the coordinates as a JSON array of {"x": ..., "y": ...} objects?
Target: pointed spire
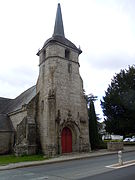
[{"x": 59, "y": 28}]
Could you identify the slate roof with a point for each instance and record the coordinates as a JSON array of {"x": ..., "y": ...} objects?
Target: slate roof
[
  {"x": 21, "y": 100},
  {"x": 5, "y": 123},
  {"x": 3, "y": 103},
  {"x": 62, "y": 40},
  {"x": 58, "y": 34},
  {"x": 11, "y": 105},
  {"x": 59, "y": 28}
]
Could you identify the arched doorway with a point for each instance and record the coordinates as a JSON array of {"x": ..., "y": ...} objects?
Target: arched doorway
[{"x": 66, "y": 140}]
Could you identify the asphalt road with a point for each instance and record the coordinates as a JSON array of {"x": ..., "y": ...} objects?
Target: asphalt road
[
  {"x": 92, "y": 169},
  {"x": 127, "y": 173}
]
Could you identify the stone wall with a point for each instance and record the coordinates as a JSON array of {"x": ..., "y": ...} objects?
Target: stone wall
[
  {"x": 26, "y": 131},
  {"x": 16, "y": 118},
  {"x": 115, "y": 146},
  {"x": 25, "y": 138},
  {"x": 6, "y": 141}
]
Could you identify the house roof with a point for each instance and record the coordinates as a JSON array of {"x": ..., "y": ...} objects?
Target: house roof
[
  {"x": 21, "y": 100},
  {"x": 5, "y": 123},
  {"x": 62, "y": 40},
  {"x": 11, "y": 105},
  {"x": 58, "y": 34},
  {"x": 58, "y": 28},
  {"x": 3, "y": 103}
]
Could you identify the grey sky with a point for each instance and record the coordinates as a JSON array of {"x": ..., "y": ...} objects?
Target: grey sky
[{"x": 104, "y": 29}]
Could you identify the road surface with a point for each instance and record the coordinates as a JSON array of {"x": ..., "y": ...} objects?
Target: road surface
[{"x": 92, "y": 168}]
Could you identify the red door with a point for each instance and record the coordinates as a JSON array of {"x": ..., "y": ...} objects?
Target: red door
[{"x": 66, "y": 140}]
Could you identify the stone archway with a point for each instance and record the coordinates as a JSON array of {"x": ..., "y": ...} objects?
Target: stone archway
[
  {"x": 66, "y": 140},
  {"x": 76, "y": 135}
]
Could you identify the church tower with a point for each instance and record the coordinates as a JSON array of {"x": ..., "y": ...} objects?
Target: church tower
[{"x": 62, "y": 111}]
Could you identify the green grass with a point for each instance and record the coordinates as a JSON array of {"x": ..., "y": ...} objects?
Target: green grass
[{"x": 7, "y": 159}]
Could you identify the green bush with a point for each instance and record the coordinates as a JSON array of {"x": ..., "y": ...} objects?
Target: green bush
[
  {"x": 129, "y": 135},
  {"x": 101, "y": 145}
]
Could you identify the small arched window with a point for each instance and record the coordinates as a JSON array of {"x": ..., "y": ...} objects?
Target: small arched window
[{"x": 67, "y": 53}]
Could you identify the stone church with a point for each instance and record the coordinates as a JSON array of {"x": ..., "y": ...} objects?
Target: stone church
[{"x": 50, "y": 117}]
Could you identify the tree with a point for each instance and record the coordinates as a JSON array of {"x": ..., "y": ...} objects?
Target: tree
[
  {"x": 119, "y": 103},
  {"x": 93, "y": 129}
]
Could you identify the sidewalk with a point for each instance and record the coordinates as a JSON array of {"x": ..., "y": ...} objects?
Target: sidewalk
[{"x": 67, "y": 157}]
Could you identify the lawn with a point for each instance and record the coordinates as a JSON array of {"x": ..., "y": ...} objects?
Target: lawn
[{"x": 7, "y": 159}]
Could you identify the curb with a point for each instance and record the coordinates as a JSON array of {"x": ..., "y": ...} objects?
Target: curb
[{"x": 55, "y": 160}]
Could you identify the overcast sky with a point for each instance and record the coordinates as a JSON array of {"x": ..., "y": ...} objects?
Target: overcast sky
[{"x": 104, "y": 29}]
